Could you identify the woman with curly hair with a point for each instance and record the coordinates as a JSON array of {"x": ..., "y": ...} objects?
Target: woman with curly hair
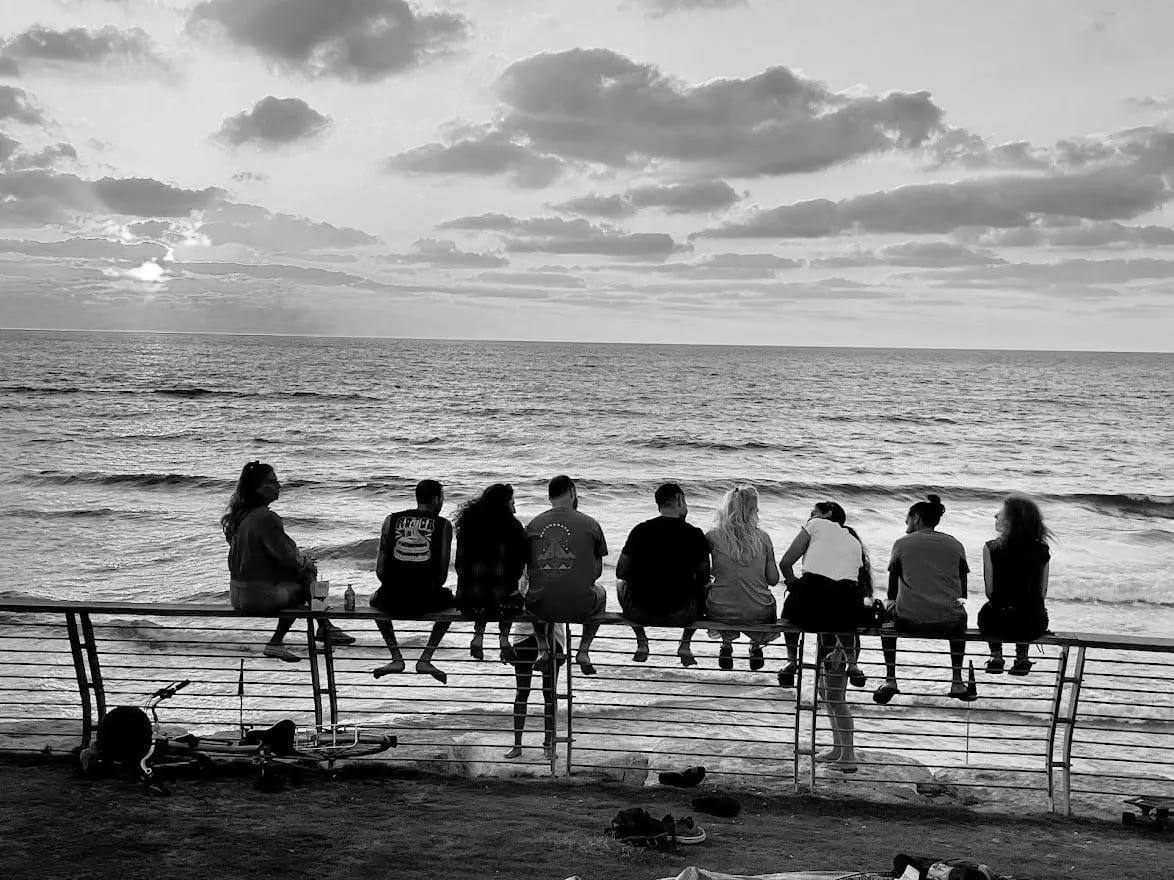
[
  {"x": 1015, "y": 571},
  {"x": 267, "y": 572},
  {"x": 492, "y": 553},
  {"x": 744, "y": 570}
]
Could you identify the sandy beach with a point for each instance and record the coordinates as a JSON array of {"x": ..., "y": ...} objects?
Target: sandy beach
[{"x": 395, "y": 824}]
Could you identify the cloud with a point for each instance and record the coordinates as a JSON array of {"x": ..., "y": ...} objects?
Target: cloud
[
  {"x": 8, "y": 147},
  {"x": 557, "y": 235},
  {"x": 731, "y": 266},
  {"x": 443, "y": 252},
  {"x": 79, "y": 46},
  {"x": 660, "y": 8},
  {"x": 253, "y": 226},
  {"x": 46, "y": 157},
  {"x": 1086, "y": 272},
  {"x": 1147, "y": 148},
  {"x": 597, "y": 107},
  {"x": 1001, "y": 202},
  {"x": 1101, "y": 233},
  {"x": 46, "y": 196},
  {"x": 361, "y": 40},
  {"x": 914, "y": 253},
  {"x": 15, "y": 105},
  {"x": 533, "y": 279},
  {"x": 149, "y": 228},
  {"x": 84, "y": 248},
  {"x": 273, "y": 122},
  {"x": 679, "y": 198}
]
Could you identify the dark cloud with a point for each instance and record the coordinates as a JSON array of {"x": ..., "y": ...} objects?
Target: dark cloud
[
  {"x": 679, "y": 198},
  {"x": 46, "y": 157},
  {"x": 273, "y": 122},
  {"x": 491, "y": 153},
  {"x": 361, "y": 40},
  {"x": 914, "y": 253},
  {"x": 15, "y": 105},
  {"x": 1001, "y": 202},
  {"x": 252, "y": 226},
  {"x": 249, "y": 177},
  {"x": 1149, "y": 149},
  {"x": 47, "y": 196},
  {"x": 8, "y": 147},
  {"x": 732, "y": 266},
  {"x": 1088, "y": 272},
  {"x": 533, "y": 279},
  {"x": 660, "y": 8},
  {"x": 557, "y": 235},
  {"x": 443, "y": 252},
  {"x": 1102, "y": 233},
  {"x": 79, "y": 46},
  {"x": 149, "y": 228},
  {"x": 84, "y": 248},
  {"x": 595, "y": 106}
]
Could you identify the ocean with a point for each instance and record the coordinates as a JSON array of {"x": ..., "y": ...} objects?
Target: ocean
[{"x": 121, "y": 450}]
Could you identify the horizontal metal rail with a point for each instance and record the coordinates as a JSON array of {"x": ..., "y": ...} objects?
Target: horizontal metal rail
[{"x": 1093, "y": 721}]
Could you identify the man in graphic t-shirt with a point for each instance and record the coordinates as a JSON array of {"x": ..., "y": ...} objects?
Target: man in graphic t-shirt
[
  {"x": 663, "y": 573},
  {"x": 412, "y": 566},
  {"x": 566, "y": 559}
]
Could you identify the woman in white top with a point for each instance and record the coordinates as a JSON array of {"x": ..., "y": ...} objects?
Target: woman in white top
[
  {"x": 744, "y": 570},
  {"x": 828, "y": 597}
]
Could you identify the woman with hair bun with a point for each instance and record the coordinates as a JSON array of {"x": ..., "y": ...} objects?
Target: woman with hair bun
[
  {"x": 267, "y": 572},
  {"x": 927, "y": 588},
  {"x": 1015, "y": 571}
]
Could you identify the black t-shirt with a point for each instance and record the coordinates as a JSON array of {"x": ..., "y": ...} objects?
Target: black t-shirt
[
  {"x": 1018, "y": 574},
  {"x": 664, "y": 555},
  {"x": 413, "y": 552}
]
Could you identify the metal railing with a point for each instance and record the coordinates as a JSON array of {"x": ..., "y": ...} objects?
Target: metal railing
[{"x": 1093, "y": 722}]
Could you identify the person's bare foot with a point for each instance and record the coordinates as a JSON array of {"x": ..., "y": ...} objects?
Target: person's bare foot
[
  {"x": 476, "y": 647},
  {"x": 828, "y": 757},
  {"x": 685, "y": 654},
  {"x": 389, "y": 668},
  {"x": 585, "y": 664},
  {"x": 515, "y": 752},
  {"x": 427, "y": 667},
  {"x": 843, "y": 766}
]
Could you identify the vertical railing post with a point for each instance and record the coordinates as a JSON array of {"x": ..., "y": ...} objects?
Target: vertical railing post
[
  {"x": 1075, "y": 680},
  {"x": 87, "y": 670},
  {"x": 818, "y": 666},
  {"x": 1053, "y": 724},
  {"x": 315, "y": 678},
  {"x": 796, "y": 729},
  {"x": 570, "y": 701}
]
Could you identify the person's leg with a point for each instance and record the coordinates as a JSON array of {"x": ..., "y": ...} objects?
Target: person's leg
[
  {"x": 583, "y": 658},
  {"x": 725, "y": 654},
  {"x": 387, "y": 630},
  {"x": 833, "y": 687},
  {"x": 523, "y": 670},
  {"x": 548, "y": 704},
  {"x": 503, "y": 641},
  {"x": 1022, "y": 665},
  {"x": 787, "y": 673},
  {"x": 640, "y": 655},
  {"x": 284, "y": 625},
  {"x": 685, "y": 649},
  {"x": 852, "y": 653},
  {"x": 888, "y": 687},
  {"x": 996, "y": 663},
  {"x": 424, "y": 664},
  {"x": 477, "y": 644}
]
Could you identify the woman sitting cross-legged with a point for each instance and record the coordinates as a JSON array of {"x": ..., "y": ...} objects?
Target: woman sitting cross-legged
[
  {"x": 492, "y": 552},
  {"x": 828, "y": 597},
  {"x": 267, "y": 572},
  {"x": 744, "y": 570},
  {"x": 1015, "y": 569}
]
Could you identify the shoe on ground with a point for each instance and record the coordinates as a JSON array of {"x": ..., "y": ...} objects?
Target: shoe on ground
[
  {"x": 687, "y": 833},
  {"x": 690, "y": 777},
  {"x": 634, "y": 826},
  {"x": 995, "y": 665},
  {"x": 281, "y": 652},
  {"x": 1021, "y": 666}
]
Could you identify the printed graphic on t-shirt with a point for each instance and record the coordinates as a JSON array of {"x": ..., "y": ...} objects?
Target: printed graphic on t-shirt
[
  {"x": 413, "y": 538},
  {"x": 553, "y": 553}
]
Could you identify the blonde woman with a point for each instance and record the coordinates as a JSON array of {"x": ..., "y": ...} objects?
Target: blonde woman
[{"x": 744, "y": 570}]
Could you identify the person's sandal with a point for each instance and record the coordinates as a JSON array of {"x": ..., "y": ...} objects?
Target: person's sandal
[
  {"x": 725, "y": 657},
  {"x": 995, "y": 665},
  {"x": 757, "y": 661},
  {"x": 883, "y": 694},
  {"x": 1021, "y": 666},
  {"x": 856, "y": 677}
]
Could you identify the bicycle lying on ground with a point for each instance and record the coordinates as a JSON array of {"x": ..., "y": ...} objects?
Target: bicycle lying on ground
[{"x": 134, "y": 736}]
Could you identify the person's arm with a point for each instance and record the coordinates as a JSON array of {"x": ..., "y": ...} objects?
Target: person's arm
[
  {"x": 445, "y": 553},
  {"x": 1043, "y": 581},
  {"x": 894, "y": 572},
  {"x": 283, "y": 551},
  {"x": 772, "y": 569},
  {"x": 600, "y": 552},
  {"x": 988, "y": 571},
  {"x": 963, "y": 571},
  {"x": 794, "y": 553},
  {"x": 381, "y": 559}
]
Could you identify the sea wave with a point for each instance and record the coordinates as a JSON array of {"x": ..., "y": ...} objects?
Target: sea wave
[
  {"x": 146, "y": 480},
  {"x": 188, "y": 392},
  {"x": 365, "y": 548}
]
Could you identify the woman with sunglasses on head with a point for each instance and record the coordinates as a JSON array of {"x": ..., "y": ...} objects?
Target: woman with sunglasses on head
[
  {"x": 744, "y": 570},
  {"x": 1015, "y": 571},
  {"x": 267, "y": 572},
  {"x": 828, "y": 597}
]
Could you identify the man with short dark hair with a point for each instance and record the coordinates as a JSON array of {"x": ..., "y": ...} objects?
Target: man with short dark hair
[
  {"x": 412, "y": 566},
  {"x": 663, "y": 572},
  {"x": 566, "y": 559}
]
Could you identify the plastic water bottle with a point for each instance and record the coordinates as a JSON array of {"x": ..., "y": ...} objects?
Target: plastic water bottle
[{"x": 348, "y": 598}]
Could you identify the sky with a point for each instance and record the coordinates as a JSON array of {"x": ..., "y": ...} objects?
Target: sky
[{"x": 904, "y": 174}]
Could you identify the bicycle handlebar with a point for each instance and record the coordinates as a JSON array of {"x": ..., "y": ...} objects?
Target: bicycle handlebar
[{"x": 171, "y": 690}]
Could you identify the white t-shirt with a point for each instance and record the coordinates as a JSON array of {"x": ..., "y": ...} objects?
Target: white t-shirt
[{"x": 833, "y": 552}]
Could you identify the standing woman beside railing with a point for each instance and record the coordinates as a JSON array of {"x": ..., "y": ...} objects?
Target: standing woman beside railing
[{"x": 1015, "y": 571}]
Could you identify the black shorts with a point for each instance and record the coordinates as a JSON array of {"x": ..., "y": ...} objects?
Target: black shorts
[
  {"x": 1012, "y": 624},
  {"x": 410, "y": 604}
]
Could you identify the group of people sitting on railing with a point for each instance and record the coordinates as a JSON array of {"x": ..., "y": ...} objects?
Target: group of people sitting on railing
[{"x": 669, "y": 574}]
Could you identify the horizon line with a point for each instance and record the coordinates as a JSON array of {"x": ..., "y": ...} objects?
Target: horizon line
[{"x": 580, "y": 341}]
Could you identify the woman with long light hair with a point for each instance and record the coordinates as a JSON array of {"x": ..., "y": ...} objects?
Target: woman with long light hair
[{"x": 744, "y": 570}]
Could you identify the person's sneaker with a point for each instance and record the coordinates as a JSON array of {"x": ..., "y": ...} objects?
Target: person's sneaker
[
  {"x": 336, "y": 636},
  {"x": 281, "y": 652},
  {"x": 686, "y": 832},
  {"x": 787, "y": 675},
  {"x": 636, "y": 827},
  {"x": 995, "y": 665},
  {"x": 1021, "y": 666}
]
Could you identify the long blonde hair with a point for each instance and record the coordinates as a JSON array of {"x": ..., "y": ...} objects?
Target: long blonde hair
[{"x": 736, "y": 532}]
